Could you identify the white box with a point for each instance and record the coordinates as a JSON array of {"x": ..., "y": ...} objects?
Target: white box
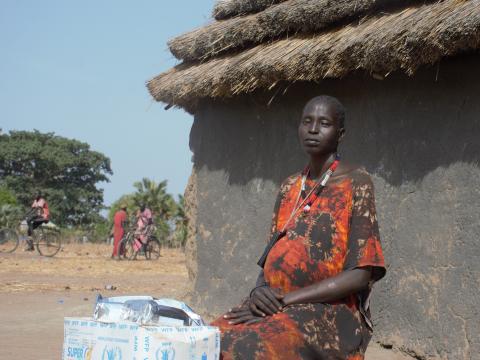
[{"x": 85, "y": 339}]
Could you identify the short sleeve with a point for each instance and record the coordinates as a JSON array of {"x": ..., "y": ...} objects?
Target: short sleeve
[{"x": 364, "y": 248}]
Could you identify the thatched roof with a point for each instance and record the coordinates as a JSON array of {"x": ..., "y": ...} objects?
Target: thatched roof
[
  {"x": 225, "y": 9},
  {"x": 378, "y": 43},
  {"x": 285, "y": 19}
]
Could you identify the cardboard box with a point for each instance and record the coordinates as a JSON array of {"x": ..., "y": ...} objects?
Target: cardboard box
[{"x": 85, "y": 339}]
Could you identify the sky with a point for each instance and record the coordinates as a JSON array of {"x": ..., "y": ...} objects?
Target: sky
[{"x": 79, "y": 68}]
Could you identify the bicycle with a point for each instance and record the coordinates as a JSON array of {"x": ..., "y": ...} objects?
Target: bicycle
[
  {"x": 47, "y": 241},
  {"x": 151, "y": 249}
]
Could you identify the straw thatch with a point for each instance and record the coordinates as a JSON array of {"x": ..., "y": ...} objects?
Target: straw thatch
[
  {"x": 379, "y": 44},
  {"x": 289, "y": 17},
  {"x": 225, "y": 9}
]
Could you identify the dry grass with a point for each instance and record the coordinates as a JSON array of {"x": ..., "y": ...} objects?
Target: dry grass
[
  {"x": 89, "y": 267},
  {"x": 224, "y": 9},
  {"x": 381, "y": 44},
  {"x": 285, "y": 19}
]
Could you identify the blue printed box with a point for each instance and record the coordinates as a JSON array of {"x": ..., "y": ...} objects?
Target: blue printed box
[{"x": 85, "y": 339}]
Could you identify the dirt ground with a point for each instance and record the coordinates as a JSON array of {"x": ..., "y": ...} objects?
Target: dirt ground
[{"x": 36, "y": 293}]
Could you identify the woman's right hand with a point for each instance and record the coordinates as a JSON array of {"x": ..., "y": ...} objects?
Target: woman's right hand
[{"x": 265, "y": 301}]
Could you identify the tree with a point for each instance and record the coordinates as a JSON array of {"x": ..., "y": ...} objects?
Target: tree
[
  {"x": 6, "y": 197},
  {"x": 67, "y": 171},
  {"x": 155, "y": 197},
  {"x": 9, "y": 210},
  {"x": 181, "y": 223}
]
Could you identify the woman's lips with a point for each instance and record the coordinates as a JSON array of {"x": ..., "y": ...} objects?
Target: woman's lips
[{"x": 311, "y": 142}]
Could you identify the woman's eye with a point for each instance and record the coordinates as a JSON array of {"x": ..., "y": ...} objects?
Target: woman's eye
[{"x": 325, "y": 124}]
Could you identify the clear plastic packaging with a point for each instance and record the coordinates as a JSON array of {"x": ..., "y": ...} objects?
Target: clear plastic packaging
[{"x": 145, "y": 310}]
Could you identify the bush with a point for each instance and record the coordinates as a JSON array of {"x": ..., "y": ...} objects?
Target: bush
[{"x": 10, "y": 215}]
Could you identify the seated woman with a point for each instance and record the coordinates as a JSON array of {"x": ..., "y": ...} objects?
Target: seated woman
[{"x": 312, "y": 295}]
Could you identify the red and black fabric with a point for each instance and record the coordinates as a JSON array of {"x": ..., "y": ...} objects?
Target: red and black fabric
[{"x": 340, "y": 232}]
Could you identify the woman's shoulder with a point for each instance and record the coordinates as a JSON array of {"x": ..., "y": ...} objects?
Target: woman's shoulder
[
  {"x": 357, "y": 174},
  {"x": 290, "y": 181}
]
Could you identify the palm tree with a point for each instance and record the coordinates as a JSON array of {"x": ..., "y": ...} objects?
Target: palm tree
[
  {"x": 155, "y": 197},
  {"x": 162, "y": 204}
]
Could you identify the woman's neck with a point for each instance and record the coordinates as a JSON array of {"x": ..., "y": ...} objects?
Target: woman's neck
[{"x": 320, "y": 163}]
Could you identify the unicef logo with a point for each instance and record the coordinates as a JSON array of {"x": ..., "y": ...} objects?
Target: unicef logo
[
  {"x": 165, "y": 354},
  {"x": 112, "y": 353}
]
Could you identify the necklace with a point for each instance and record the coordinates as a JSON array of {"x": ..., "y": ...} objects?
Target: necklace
[
  {"x": 313, "y": 194},
  {"x": 306, "y": 203}
]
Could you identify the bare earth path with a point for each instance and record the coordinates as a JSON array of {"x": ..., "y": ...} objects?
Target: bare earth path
[{"x": 37, "y": 293}]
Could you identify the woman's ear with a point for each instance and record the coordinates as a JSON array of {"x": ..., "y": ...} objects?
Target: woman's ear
[{"x": 341, "y": 134}]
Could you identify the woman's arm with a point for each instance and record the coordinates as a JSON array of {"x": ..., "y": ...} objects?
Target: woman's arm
[{"x": 331, "y": 289}]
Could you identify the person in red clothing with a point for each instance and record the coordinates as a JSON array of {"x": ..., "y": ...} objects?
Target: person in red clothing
[
  {"x": 40, "y": 214},
  {"x": 119, "y": 220}
]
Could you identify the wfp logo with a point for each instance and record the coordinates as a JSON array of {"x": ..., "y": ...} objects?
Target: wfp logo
[
  {"x": 165, "y": 354},
  {"x": 112, "y": 353},
  {"x": 79, "y": 353}
]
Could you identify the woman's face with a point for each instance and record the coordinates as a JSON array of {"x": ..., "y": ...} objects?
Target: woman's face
[{"x": 319, "y": 130}]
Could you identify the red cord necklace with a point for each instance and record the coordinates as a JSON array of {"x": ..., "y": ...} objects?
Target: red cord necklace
[{"x": 307, "y": 202}]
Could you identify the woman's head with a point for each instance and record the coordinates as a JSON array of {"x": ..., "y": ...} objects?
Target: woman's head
[{"x": 322, "y": 126}]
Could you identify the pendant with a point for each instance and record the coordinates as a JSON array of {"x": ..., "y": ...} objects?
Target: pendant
[{"x": 306, "y": 209}]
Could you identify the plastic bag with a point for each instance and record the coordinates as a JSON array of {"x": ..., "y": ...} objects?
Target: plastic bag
[{"x": 145, "y": 310}]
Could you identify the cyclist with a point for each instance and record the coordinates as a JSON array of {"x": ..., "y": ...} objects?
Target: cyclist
[
  {"x": 144, "y": 222},
  {"x": 38, "y": 215}
]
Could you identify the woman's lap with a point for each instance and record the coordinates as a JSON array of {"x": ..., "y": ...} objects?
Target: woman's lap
[{"x": 311, "y": 331}]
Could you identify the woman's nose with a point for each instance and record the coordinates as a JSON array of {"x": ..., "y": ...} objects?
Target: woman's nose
[{"x": 314, "y": 127}]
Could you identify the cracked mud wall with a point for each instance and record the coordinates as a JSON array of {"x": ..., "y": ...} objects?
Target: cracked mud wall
[
  {"x": 190, "y": 198},
  {"x": 420, "y": 139}
]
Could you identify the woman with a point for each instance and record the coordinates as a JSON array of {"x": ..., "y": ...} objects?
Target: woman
[
  {"x": 119, "y": 221},
  {"x": 312, "y": 295},
  {"x": 144, "y": 220}
]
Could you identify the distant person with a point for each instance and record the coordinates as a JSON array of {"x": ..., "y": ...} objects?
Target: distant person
[
  {"x": 119, "y": 221},
  {"x": 144, "y": 220},
  {"x": 39, "y": 215}
]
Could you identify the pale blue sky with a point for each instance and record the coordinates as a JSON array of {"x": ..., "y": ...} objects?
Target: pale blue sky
[{"x": 78, "y": 68}]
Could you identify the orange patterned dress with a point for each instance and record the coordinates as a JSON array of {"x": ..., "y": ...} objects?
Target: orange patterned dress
[{"x": 340, "y": 232}]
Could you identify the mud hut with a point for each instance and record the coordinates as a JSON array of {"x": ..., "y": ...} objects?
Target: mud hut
[{"x": 409, "y": 75}]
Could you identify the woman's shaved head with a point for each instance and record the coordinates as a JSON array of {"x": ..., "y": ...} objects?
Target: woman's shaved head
[{"x": 333, "y": 103}]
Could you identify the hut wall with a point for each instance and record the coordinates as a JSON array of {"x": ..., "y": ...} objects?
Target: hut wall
[{"x": 419, "y": 138}]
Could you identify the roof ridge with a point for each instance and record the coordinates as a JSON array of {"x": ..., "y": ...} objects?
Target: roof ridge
[
  {"x": 225, "y": 9},
  {"x": 284, "y": 19}
]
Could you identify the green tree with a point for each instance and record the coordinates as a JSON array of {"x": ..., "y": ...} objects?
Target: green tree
[
  {"x": 127, "y": 200},
  {"x": 156, "y": 198},
  {"x": 67, "y": 171},
  {"x": 153, "y": 195},
  {"x": 10, "y": 212},
  {"x": 7, "y": 197},
  {"x": 181, "y": 223}
]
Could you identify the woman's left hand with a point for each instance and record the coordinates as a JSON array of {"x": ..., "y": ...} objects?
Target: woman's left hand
[{"x": 241, "y": 315}]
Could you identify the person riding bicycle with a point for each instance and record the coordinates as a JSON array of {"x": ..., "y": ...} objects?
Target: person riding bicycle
[
  {"x": 38, "y": 215},
  {"x": 144, "y": 223}
]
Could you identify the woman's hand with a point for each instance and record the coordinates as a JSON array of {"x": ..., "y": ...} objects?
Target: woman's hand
[
  {"x": 265, "y": 301},
  {"x": 241, "y": 315}
]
